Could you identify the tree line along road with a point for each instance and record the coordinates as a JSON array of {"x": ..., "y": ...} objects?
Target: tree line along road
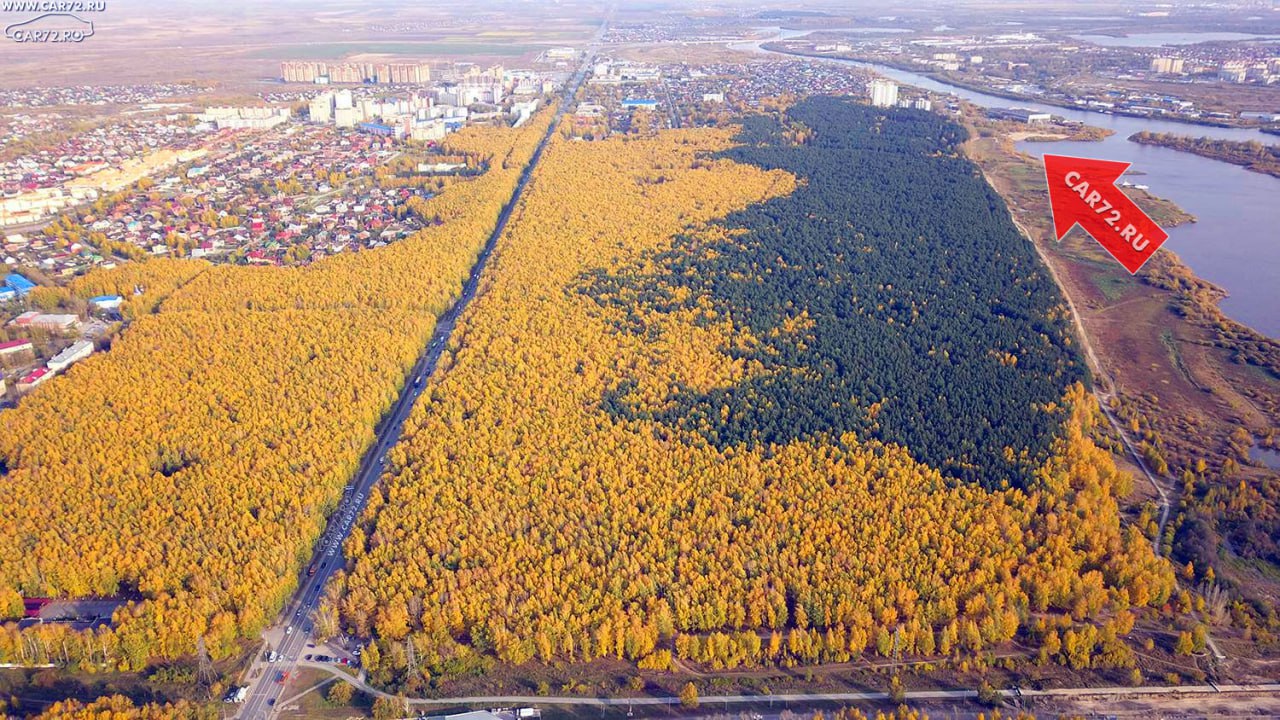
[{"x": 294, "y": 631}]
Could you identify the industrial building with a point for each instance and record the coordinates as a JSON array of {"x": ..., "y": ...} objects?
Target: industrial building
[
  {"x": 107, "y": 302},
  {"x": 1024, "y": 115},
  {"x": 77, "y": 351},
  {"x": 19, "y": 284},
  {"x": 376, "y": 129},
  {"x": 17, "y": 352},
  {"x": 36, "y": 377},
  {"x": 43, "y": 321}
]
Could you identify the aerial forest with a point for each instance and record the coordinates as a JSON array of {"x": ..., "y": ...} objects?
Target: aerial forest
[
  {"x": 926, "y": 320},
  {"x": 743, "y": 397},
  {"x": 191, "y": 468}
]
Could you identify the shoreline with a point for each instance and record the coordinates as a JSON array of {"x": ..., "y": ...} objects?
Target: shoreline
[
  {"x": 1193, "y": 146},
  {"x": 1162, "y": 326},
  {"x": 1171, "y": 261}
]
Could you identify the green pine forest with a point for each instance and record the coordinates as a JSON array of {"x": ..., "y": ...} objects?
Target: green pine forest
[{"x": 930, "y": 321}]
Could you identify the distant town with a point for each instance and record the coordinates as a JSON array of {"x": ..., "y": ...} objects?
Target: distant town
[
  {"x": 1180, "y": 83},
  {"x": 290, "y": 179}
]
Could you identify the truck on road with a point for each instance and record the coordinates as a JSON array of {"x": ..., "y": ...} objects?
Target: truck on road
[{"x": 237, "y": 694}]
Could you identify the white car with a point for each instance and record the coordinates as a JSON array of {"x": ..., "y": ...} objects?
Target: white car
[{"x": 288, "y": 630}]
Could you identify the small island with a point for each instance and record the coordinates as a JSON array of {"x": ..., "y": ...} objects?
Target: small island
[{"x": 1250, "y": 154}]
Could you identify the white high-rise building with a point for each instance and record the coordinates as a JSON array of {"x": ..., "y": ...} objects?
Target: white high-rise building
[
  {"x": 884, "y": 93},
  {"x": 321, "y": 109},
  {"x": 345, "y": 117}
]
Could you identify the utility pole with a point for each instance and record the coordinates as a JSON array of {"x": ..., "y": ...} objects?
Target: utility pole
[
  {"x": 411, "y": 657},
  {"x": 206, "y": 676}
]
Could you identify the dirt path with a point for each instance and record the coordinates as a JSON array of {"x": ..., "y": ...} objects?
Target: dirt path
[{"x": 1266, "y": 692}]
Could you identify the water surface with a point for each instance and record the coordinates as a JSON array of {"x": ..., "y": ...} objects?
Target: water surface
[
  {"x": 1162, "y": 39},
  {"x": 1266, "y": 456}
]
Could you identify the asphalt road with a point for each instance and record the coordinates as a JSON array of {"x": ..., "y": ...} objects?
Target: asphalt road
[{"x": 290, "y": 637}]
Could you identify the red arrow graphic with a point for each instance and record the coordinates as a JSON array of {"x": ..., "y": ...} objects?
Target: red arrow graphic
[{"x": 1082, "y": 191}]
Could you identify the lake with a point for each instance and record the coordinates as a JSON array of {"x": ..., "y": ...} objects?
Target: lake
[
  {"x": 1266, "y": 456},
  {"x": 1235, "y": 244},
  {"x": 1162, "y": 39}
]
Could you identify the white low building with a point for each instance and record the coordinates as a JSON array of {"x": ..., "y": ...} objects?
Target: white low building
[
  {"x": 107, "y": 302},
  {"x": 75, "y": 352}
]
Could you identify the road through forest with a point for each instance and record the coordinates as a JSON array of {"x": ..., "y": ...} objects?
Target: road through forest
[{"x": 295, "y": 629}]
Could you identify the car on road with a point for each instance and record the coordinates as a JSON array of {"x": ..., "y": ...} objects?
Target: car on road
[
  {"x": 281, "y": 677},
  {"x": 288, "y": 630},
  {"x": 237, "y": 694}
]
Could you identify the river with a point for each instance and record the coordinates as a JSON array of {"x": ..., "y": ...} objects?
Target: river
[{"x": 1235, "y": 244}]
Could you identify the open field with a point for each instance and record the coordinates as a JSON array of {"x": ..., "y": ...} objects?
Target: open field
[
  {"x": 138, "y": 42},
  {"x": 417, "y": 49}
]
